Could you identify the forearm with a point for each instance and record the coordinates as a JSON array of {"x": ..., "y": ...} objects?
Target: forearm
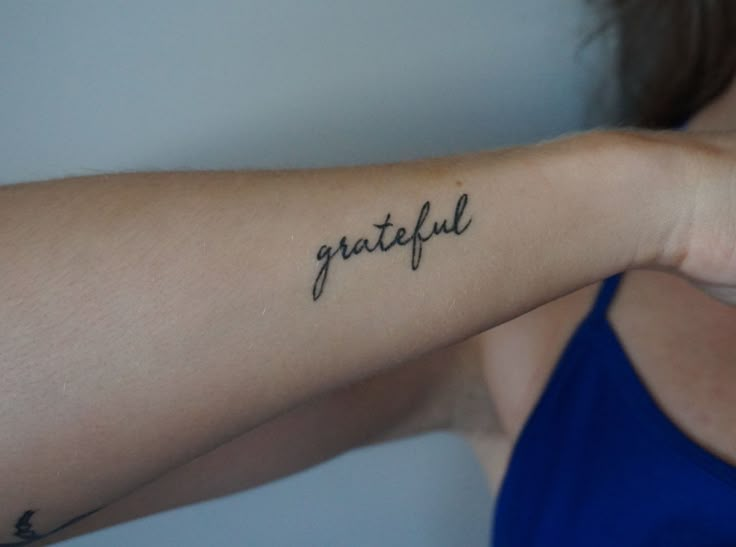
[{"x": 149, "y": 318}]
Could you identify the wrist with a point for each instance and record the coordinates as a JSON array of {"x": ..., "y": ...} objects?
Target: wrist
[
  {"x": 702, "y": 232},
  {"x": 647, "y": 173}
]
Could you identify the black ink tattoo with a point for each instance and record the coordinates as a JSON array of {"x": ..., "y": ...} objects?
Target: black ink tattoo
[
  {"x": 24, "y": 529},
  {"x": 401, "y": 237}
]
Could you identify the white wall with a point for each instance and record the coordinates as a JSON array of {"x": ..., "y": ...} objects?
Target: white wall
[{"x": 92, "y": 86}]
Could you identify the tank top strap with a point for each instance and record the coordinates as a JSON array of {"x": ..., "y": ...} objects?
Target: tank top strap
[{"x": 605, "y": 295}]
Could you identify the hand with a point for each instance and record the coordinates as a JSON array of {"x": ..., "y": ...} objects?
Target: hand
[{"x": 703, "y": 248}]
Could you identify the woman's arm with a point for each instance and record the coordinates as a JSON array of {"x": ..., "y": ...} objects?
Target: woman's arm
[
  {"x": 148, "y": 318},
  {"x": 444, "y": 390}
]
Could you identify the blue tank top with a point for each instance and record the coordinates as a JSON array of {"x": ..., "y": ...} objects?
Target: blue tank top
[{"x": 599, "y": 464}]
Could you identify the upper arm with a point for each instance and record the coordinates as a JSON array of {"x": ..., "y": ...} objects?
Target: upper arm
[{"x": 443, "y": 390}]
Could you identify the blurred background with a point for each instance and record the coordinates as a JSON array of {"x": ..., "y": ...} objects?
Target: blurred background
[{"x": 90, "y": 86}]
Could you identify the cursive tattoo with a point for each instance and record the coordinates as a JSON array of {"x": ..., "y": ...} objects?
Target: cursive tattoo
[{"x": 384, "y": 241}]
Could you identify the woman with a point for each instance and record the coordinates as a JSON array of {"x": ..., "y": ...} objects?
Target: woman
[{"x": 151, "y": 322}]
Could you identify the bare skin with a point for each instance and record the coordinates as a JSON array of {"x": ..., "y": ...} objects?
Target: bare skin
[
  {"x": 435, "y": 396},
  {"x": 678, "y": 338},
  {"x": 680, "y": 341}
]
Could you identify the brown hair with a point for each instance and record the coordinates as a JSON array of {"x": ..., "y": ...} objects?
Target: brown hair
[{"x": 672, "y": 57}]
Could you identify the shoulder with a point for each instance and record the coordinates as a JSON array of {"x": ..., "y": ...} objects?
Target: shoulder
[
  {"x": 514, "y": 361},
  {"x": 520, "y": 355}
]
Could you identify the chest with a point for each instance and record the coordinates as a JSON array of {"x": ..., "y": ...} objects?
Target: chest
[
  {"x": 681, "y": 344},
  {"x": 683, "y": 348}
]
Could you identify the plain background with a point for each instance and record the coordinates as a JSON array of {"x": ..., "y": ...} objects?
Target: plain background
[{"x": 92, "y": 86}]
